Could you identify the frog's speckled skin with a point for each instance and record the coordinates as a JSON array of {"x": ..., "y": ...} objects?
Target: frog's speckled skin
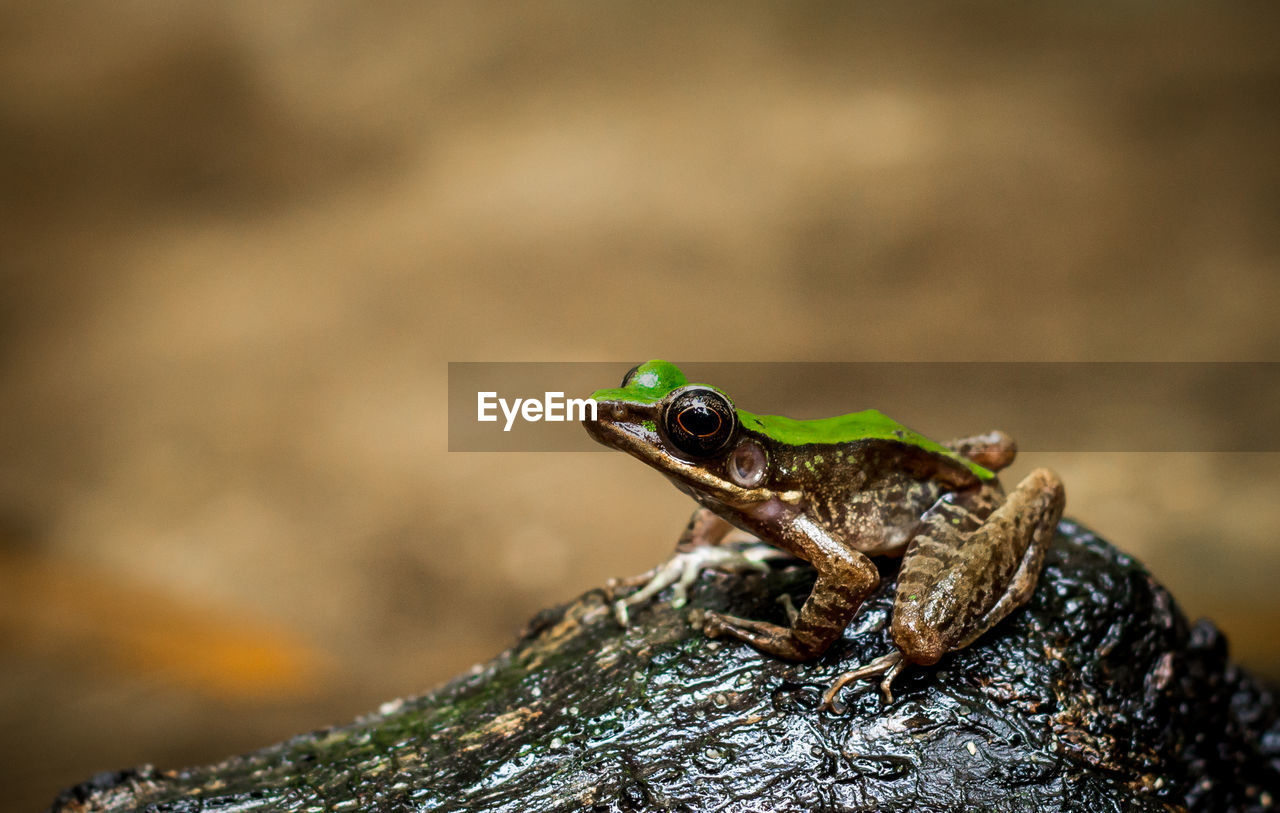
[{"x": 836, "y": 491}]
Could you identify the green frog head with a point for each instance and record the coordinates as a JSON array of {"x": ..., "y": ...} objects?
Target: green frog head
[{"x": 690, "y": 432}]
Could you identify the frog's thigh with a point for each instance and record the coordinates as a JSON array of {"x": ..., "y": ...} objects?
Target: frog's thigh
[
  {"x": 841, "y": 586},
  {"x": 956, "y": 582}
]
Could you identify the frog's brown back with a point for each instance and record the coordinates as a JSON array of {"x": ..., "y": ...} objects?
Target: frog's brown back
[
  {"x": 869, "y": 493},
  {"x": 863, "y": 465}
]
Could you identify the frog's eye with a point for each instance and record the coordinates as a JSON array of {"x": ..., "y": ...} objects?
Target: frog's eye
[
  {"x": 626, "y": 379},
  {"x": 699, "y": 421}
]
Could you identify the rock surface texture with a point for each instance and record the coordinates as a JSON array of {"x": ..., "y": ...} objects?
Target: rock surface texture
[{"x": 1097, "y": 696}]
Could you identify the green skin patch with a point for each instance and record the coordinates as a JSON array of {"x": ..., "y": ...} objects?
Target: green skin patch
[
  {"x": 650, "y": 384},
  {"x": 653, "y": 380}
]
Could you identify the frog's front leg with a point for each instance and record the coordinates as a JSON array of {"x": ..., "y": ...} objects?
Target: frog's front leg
[
  {"x": 845, "y": 579},
  {"x": 962, "y": 574},
  {"x": 709, "y": 541}
]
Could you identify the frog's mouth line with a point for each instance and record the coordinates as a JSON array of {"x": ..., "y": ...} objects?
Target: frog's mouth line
[{"x": 626, "y": 432}]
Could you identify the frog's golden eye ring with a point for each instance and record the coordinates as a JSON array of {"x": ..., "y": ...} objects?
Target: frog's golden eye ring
[
  {"x": 699, "y": 421},
  {"x": 626, "y": 379}
]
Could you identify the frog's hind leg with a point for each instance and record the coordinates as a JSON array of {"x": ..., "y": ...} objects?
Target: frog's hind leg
[
  {"x": 994, "y": 450},
  {"x": 955, "y": 585},
  {"x": 962, "y": 574}
]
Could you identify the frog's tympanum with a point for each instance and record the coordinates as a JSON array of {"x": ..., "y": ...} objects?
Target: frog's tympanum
[{"x": 835, "y": 492}]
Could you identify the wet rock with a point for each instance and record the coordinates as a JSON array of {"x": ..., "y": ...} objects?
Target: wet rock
[{"x": 1097, "y": 696}]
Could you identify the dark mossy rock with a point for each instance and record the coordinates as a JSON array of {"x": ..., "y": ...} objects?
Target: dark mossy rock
[{"x": 1097, "y": 696}]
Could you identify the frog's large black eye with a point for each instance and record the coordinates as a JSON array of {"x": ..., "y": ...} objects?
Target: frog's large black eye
[
  {"x": 626, "y": 379},
  {"x": 699, "y": 421}
]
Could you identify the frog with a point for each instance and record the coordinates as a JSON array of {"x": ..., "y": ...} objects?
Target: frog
[{"x": 837, "y": 493}]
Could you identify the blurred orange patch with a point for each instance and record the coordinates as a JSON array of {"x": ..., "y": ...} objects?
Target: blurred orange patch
[{"x": 61, "y": 610}]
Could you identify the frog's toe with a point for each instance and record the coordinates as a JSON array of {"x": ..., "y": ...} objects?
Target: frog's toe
[
  {"x": 713, "y": 624},
  {"x": 830, "y": 703},
  {"x": 621, "y": 614},
  {"x": 688, "y": 575},
  {"x": 887, "y": 667},
  {"x": 757, "y": 557},
  {"x": 718, "y": 625},
  {"x": 615, "y": 586}
]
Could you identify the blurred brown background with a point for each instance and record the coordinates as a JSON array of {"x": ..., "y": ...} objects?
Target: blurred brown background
[{"x": 241, "y": 241}]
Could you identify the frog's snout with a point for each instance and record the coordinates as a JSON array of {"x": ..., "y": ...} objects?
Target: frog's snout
[
  {"x": 618, "y": 423},
  {"x": 594, "y": 427},
  {"x": 598, "y": 425}
]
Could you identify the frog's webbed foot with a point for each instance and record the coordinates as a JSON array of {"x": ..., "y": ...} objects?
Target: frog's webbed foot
[
  {"x": 886, "y": 667},
  {"x": 681, "y": 571}
]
